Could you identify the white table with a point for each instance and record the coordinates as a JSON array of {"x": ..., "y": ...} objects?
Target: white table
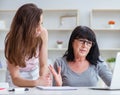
[{"x": 80, "y": 91}]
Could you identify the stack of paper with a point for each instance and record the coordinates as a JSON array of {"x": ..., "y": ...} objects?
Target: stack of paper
[{"x": 57, "y": 88}]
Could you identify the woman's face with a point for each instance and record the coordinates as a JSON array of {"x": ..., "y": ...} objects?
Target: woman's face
[
  {"x": 40, "y": 26},
  {"x": 81, "y": 47}
]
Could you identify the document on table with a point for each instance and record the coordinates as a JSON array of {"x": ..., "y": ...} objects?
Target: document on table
[{"x": 56, "y": 88}]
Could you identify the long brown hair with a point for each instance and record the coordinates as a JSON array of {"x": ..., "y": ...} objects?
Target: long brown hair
[{"x": 21, "y": 40}]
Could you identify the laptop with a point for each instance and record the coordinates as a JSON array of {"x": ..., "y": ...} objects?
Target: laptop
[{"x": 115, "y": 82}]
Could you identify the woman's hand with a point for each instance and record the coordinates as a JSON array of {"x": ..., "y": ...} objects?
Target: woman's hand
[
  {"x": 44, "y": 81},
  {"x": 56, "y": 75}
]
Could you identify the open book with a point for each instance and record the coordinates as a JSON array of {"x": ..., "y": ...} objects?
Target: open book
[{"x": 57, "y": 88}]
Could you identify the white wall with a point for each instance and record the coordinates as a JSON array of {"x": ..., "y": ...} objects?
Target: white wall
[{"x": 84, "y": 6}]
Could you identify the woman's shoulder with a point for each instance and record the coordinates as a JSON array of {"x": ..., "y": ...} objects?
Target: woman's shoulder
[
  {"x": 60, "y": 61},
  {"x": 101, "y": 65}
]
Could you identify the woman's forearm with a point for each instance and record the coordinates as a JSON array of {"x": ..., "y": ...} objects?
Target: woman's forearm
[{"x": 24, "y": 82}]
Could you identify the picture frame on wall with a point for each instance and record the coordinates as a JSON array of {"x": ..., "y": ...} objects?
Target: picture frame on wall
[{"x": 68, "y": 21}]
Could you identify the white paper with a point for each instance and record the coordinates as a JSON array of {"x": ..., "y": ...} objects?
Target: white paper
[
  {"x": 4, "y": 85},
  {"x": 57, "y": 88}
]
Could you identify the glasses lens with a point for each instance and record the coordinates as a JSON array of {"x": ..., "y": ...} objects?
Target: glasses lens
[
  {"x": 89, "y": 42},
  {"x": 83, "y": 41}
]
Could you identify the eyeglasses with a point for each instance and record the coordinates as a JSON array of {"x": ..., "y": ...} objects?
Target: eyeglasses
[{"x": 87, "y": 42}]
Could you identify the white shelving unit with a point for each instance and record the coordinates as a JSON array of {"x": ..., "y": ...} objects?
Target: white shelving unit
[
  {"x": 6, "y": 17},
  {"x": 59, "y": 23},
  {"x": 108, "y": 38}
]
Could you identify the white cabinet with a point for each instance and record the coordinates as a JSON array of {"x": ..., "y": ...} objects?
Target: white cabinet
[
  {"x": 108, "y": 37},
  {"x": 59, "y": 23},
  {"x": 6, "y": 17}
]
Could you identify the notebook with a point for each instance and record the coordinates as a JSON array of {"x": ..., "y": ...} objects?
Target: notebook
[
  {"x": 56, "y": 88},
  {"x": 115, "y": 82},
  {"x": 4, "y": 85}
]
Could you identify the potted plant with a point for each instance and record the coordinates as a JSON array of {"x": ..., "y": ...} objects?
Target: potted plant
[
  {"x": 111, "y": 23},
  {"x": 111, "y": 62},
  {"x": 59, "y": 44}
]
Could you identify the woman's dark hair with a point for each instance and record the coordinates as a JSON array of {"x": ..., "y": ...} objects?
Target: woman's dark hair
[{"x": 85, "y": 33}]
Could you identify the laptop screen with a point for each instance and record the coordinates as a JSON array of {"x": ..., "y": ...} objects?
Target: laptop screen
[{"x": 116, "y": 73}]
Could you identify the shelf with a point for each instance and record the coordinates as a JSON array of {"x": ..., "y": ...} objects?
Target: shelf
[
  {"x": 107, "y": 36},
  {"x": 1, "y": 50},
  {"x": 59, "y": 23},
  {"x": 106, "y": 10},
  {"x": 2, "y": 69},
  {"x": 110, "y": 49},
  {"x": 57, "y": 49},
  {"x": 62, "y": 19},
  {"x": 99, "y": 18},
  {"x": 62, "y": 10},
  {"x": 101, "y": 49},
  {"x": 106, "y": 29},
  {"x": 6, "y": 17},
  {"x": 60, "y": 29},
  {"x": 6, "y": 29},
  {"x": 7, "y": 11}
]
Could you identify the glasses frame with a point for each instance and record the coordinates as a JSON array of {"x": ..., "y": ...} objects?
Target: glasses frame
[{"x": 87, "y": 42}]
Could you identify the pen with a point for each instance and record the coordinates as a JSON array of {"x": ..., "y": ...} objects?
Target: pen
[
  {"x": 18, "y": 89},
  {"x": 2, "y": 88}
]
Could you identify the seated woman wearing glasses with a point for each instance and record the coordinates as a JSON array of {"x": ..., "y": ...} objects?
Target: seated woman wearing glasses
[{"x": 81, "y": 65}]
